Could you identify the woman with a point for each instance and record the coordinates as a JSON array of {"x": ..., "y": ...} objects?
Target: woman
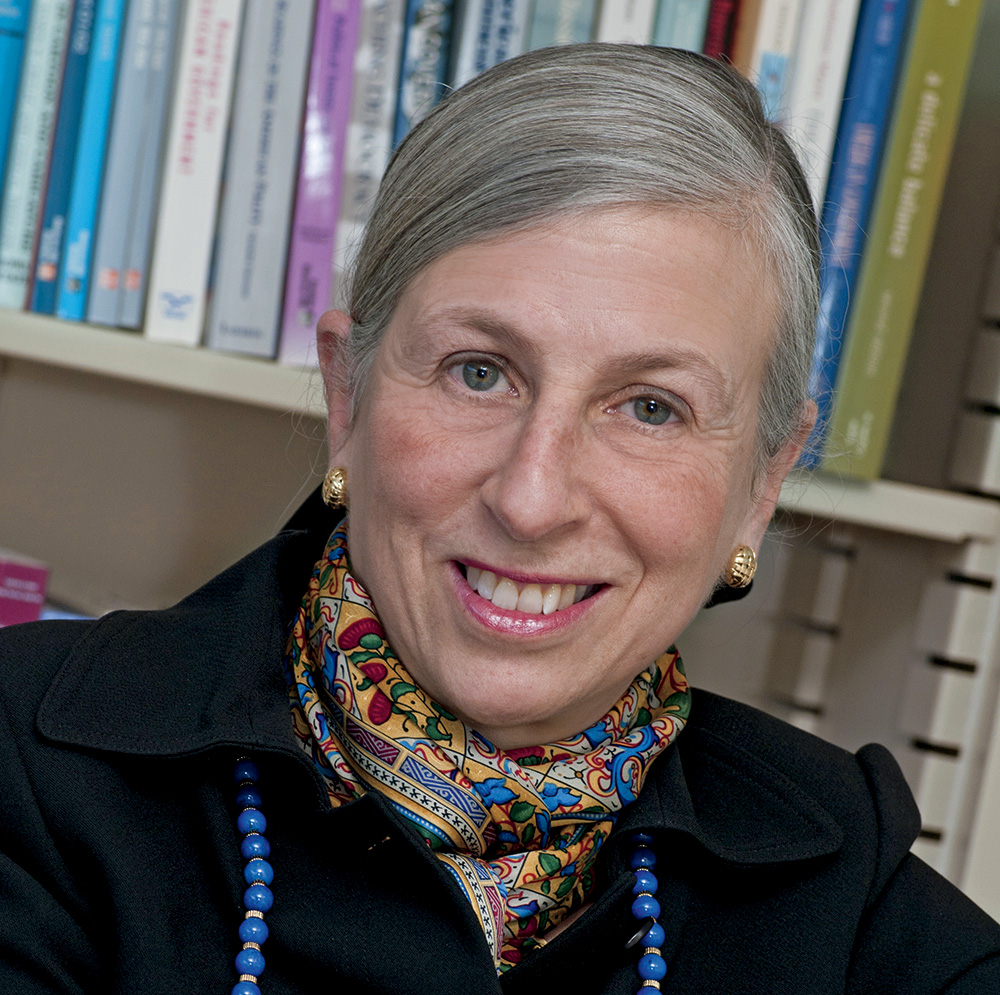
[{"x": 562, "y": 404}]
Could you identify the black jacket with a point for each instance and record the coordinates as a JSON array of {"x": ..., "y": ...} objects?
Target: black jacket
[{"x": 783, "y": 860}]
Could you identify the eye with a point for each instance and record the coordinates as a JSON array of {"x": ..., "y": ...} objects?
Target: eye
[
  {"x": 650, "y": 410},
  {"x": 481, "y": 375}
]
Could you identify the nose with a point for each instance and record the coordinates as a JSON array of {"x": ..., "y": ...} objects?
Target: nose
[{"x": 541, "y": 486}]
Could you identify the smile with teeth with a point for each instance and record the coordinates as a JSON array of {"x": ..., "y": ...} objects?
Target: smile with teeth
[{"x": 533, "y": 599}]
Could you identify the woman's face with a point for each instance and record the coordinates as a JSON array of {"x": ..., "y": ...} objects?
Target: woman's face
[{"x": 575, "y": 405}]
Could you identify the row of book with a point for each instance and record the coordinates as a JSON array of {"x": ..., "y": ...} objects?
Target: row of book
[{"x": 200, "y": 170}]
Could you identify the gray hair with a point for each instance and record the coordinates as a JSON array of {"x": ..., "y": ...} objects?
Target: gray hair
[{"x": 562, "y": 130}]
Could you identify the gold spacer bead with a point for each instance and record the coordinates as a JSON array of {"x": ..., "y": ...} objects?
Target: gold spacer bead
[
  {"x": 253, "y": 914},
  {"x": 250, "y": 945},
  {"x": 655, "y": 985},
  {"x": 651, "y": 950},
  {"x": 248, "y": 977}
]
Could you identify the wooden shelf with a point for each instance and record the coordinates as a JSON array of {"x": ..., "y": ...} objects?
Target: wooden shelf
[
  {"x": 901, "y": 508},
  {"x": 128, "y": 356}
]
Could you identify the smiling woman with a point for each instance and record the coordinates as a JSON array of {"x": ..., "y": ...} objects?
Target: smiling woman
[{"x": 562, "y": 400}]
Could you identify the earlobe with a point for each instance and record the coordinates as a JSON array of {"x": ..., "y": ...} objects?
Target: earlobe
[{"x": 331, "y": 346}]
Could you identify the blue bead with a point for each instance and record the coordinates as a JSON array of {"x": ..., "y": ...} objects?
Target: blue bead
[
  {"x": 259, "y": 897},
  {"x": 652, "y": 967},
  {"x": 249, "y": 988},
  {"x": 251, "y": 961},
  {"x": 643, "y": 838},
  {"x": 643, "y": 857},
  {"x": 258, "y": 870},
  {"x": 255, "y": 846},
  {"x": 645, "y": 881},
  {"x": 251, "y": 821},
  {"x": 248, "y": 797},
  {"x": 646, "y": 905},
  {"x": 254, "y": 930},
  {"x": 656, "y": 937},
  {"x": 245, "y": 770}
]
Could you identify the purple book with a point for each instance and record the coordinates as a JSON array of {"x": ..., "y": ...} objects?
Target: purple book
[{"x": 317, "y": 197}]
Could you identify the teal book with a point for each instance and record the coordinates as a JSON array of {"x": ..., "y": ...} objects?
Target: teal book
[
  {"x": 88, "y": 166},
  {"x": 13, "y": 28}
]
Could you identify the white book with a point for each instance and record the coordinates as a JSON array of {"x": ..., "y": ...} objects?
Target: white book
[
  {"x": 259, "y": 177},
  {"x": 369, "y": 134},
  {"x": 626, "y": 21},
  {"x": 185, "y": 225},
  {"x": 812, "y": 107},
  {"x": 772, "y": 51},
  {"x": 30, "y": 145},
  {"x": 487, "y": 32}
]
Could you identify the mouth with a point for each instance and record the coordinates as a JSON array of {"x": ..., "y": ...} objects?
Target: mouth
[{"x": 528, "y": 597}]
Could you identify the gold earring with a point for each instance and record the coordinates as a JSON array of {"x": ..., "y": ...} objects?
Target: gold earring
[
  {"x": 741, "y": 567},
  {"x": 335, "y": 487}
]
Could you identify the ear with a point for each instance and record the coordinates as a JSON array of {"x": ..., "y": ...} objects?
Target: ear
[
  {"x": 331, "y": 347},
  {"x": 769, "y": 489}
]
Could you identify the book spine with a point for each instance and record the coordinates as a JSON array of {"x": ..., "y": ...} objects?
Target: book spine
[
  {"x": 816, "y": 92},
  {"x": 259, "y": 175},
  {"x": 471, "y": 34},
  {"x": 626, "y": 21},
  {"x": 719, "y": 29},
  {"x": 561, "y": 22},
  {"x": 30, "y": 144},
  {"x": 869, "y": 95},
  {"x": 14, "y": 18},
  {"x": 52, "y": 229},
  {"x": 178, "y": 285},
  {"x": 424, "y": 65},
  {"x": 369, "y": 134},
  {"x": 135, "y": 263},
  {"x": 909, "y": 195},
  {"x": 88, "y": 168},
  {"x": 684, "y": 24},
  {"x": 321, "y": 163},
  {"x": 510, "y": 30},
  {"x": 771, "y": 50},
  {"x": 125, "y": 146}
]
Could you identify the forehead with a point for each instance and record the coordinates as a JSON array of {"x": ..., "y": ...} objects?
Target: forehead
[{"x": 631, "y": 285}]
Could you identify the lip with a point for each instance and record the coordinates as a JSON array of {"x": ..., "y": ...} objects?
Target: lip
[{"x": 505, "y": 621}]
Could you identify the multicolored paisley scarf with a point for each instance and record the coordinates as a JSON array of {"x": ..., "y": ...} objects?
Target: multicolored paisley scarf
[{"x": 519, "y": 829}]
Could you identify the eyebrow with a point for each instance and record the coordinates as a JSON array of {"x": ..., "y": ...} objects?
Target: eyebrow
[{"x": 671, "y": 356}]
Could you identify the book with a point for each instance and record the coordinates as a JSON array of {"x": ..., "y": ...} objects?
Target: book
[
  {"x": 486, "y": 32},
  {"x": 816, "y": 90},
  {"x": 917, "y": 157},
  {"x": 628, "y": 21},
  {"x": 719, "y": 29},
  {"x": 127, "y": 144},
  {"x": 88, "y": 167},
  {"x": 682, "y": 24},
  {"x": 30, "y": 144},
  {"x": 189, "y": 194},
  {"x": 314, "y": 222},
  {"x": 369, "y": 133},
  {"x": 52, "y": 229},
  {"x": 561, "y": 22},
  {"x": 424, "y": 65},
  {"x": 14, "y": 15},
  {"x": 869, "y": 94},
  {"x": 764, "y": 48},
  {"x": 259, "y": 177},
  {"x": 22, "y": 588},
  {"x": 139, "y": 242}
]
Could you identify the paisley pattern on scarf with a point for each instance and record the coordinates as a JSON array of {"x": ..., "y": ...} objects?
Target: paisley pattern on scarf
[{"x": 518, "y": 829}]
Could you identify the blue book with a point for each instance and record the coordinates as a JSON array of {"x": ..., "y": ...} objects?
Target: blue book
[
  {"x": 13, "y": 27},
  {"x": 869, "y": 97},
  {"x": 64, "y": 144},
  {"x": 88, "y": 167},
  {"x": 424, "y": 64}
]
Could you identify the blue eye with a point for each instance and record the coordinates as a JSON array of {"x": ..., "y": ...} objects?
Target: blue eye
[
  {"x": 650, "y": 411},
  {"x": 480, "y": 375}
]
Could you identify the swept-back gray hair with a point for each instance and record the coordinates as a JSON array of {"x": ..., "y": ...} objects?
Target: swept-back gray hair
[{"x": 561, "y": 130}]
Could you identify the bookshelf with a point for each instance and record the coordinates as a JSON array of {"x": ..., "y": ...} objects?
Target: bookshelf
[{"x": 138, "y": 470}]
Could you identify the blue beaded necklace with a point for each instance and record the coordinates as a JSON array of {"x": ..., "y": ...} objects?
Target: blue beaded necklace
[{"x": 258, "y": 899}]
